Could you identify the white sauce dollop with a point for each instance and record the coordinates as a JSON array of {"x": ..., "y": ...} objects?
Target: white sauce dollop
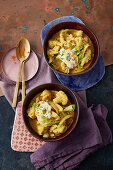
[
  {"x": 68, "y": 57},
  {"x": 43, "y": 109}
]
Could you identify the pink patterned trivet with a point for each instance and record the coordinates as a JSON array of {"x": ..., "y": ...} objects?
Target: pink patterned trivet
[{"x": 21, "y": 139}]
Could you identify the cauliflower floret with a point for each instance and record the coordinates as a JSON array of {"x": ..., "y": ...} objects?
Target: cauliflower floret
[
  {"x": 55, "y": 116},
  {"x": 51, "y": 52},
  {"x": 86, "y": 58},
  {"x": 46, "y": 95},
  {"x": 37, "y": 99},
  {"x": 65, "y": 69},
  {"x": 53, "y": 127},
  {"x": 53, "y": 105},
  {"x": 61, "y": 97},
  {"x": 56, "y": 49},
  {"x": 61, "y": 129},
  {"x": 60, "y": 108},
  {"x": 86, "y": 38},
  {"x": 31, "y": 112},
  {"x": 45, "y": 135},
  {"x": 51, "y": 58},
  {"x": 52, "y": 135},
  {"x": 79, "y": 42},
  {"x": 53, "y": 43},
  {"x": 79, "y": 33}
]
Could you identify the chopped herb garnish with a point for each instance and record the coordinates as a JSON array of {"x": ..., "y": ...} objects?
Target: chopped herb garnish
[
  {"x": 40, "y": 107},
  {"x": 35, "y": 105},
  {"x": 67, "y": 57},
  {"x": 81, "y": 48},
  {"x": 81, "y": 56},
  {"x": 76, "y": 48},
  {"x": 31, "y": 104},
  {"x": 61, "y": 58},
  {"x": 80, "y": 67},
  {"x": 72, "y": 46},
  {"x": 58, "y": 53},
  {"x": 74, "y": 52}
]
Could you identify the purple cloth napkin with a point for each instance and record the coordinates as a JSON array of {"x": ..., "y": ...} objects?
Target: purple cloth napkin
[{"x": 90, "y": 134}]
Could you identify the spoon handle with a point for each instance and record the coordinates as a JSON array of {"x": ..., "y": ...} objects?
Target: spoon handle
[
  {"x": 23, "y": 83},
  {"x": 17, "y": 86}
]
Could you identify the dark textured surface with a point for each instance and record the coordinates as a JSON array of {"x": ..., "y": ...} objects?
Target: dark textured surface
[
  {"x": 102, "y": 93},
  {"x": 102, "y": 159},
  {"x": 27, "y": 18}
]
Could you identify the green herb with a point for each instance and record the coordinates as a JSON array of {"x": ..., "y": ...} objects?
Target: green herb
[
  {"x": 45, "y": 118},
  {"x": 76, "y": 48},
  {"x": 74, "y": 52},
  {"x": 80, "y": 67},
  {"x": 57, "y": 123},
  {"x": 81, "y": 56},
  {"x": 30, "y": 105},
  {"x": 72, "y": 46},
  {"x": 65, "y": 47},
  {"x": 73, "y": 106},
  {"x": 67, "y": 57},
  {"x": 40, "y": 107},
  {"x": 58, "y": 53},
  {"x": 34, "y": 105},
  {"x": 81, "y": 48}
]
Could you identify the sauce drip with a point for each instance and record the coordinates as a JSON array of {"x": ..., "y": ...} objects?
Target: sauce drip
[{"x": 14, "y": 59}]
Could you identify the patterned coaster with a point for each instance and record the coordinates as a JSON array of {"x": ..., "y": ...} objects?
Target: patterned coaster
[{"x": 21, "y": 139}]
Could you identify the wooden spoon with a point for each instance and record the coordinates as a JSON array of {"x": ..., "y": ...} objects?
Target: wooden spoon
[{"x": 22, "y": 52}]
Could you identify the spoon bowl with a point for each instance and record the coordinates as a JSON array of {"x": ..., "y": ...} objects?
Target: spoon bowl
[
  {"x": 22, "y": 53},
  {"x": 23, "y": 49}
]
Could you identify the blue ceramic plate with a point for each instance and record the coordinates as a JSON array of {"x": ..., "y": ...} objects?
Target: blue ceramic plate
[{"x": 77, "y": 82}]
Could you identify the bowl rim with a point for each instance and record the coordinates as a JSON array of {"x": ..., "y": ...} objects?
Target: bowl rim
[
  {"x": 72, "y": 74},
  {"x": 68, "y": 131}
]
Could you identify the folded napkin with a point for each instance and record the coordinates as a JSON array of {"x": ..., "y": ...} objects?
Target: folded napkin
[{"x": 91, "y": 132}]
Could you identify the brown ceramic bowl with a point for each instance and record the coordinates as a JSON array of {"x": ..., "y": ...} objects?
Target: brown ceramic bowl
[
  {"x": 39, "y": 89},
  {"x": 72, "y": 25}
]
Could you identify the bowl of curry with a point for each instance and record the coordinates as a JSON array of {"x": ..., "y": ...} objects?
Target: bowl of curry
[
  {"x": 50, "y": 112},
  {"x": 71, "y": 48}
]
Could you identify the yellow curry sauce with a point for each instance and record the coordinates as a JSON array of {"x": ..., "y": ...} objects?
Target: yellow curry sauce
[
  {"x": 50, "y": 113},
  {"x": 70, "y": 51}
]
